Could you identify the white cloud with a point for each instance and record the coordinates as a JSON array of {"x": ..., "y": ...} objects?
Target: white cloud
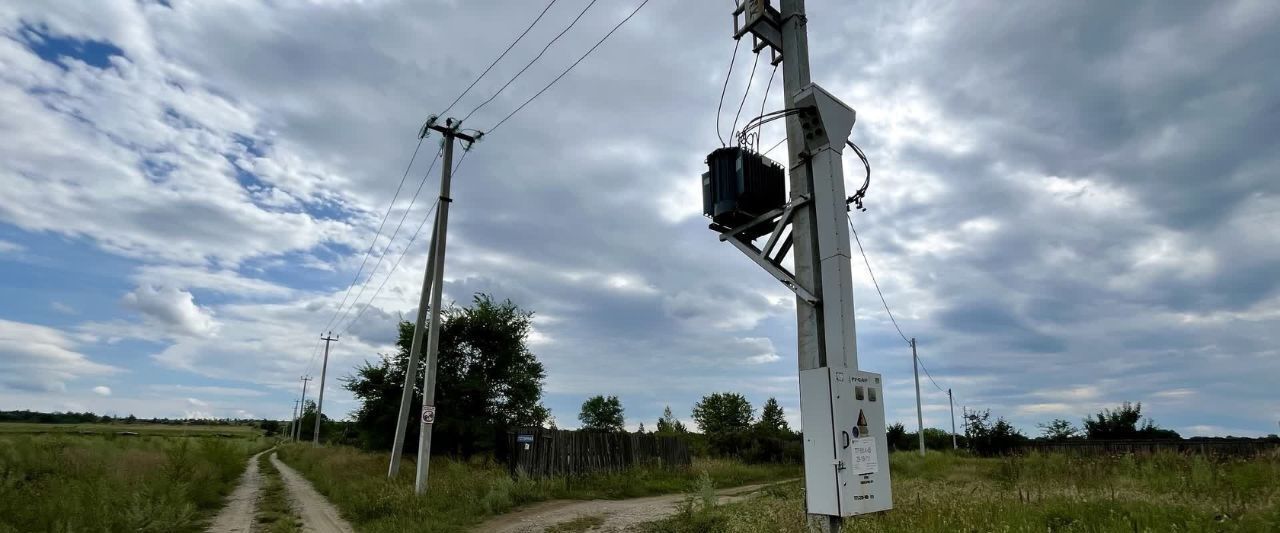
[
  {"x": 173, "y": 309},
  {"x": 102, "y": 390},
  {"x": 39, "y": 358},
  {"x": 7, "y": 247}
]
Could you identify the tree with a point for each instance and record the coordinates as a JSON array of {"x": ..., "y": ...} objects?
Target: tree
[
  {"x": 897, "y": 437},
  {"x": 1058, "y": 430},
  {"x": 987, "y": 438},
  {"x": 487, "y": 381},
  {"x": 722, "y": 413},
  {"x": 669, "y": 424},
  {"x": 772, "y": 420},
  {"x": 641, "y": 430},
  {"x": 270, "y": 427},
  {"x": 601, "y": 414},
  {"x": 1124, "y": 423}
]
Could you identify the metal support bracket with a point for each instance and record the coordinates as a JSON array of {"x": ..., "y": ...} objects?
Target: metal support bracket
[
  {"x": 764, "y": 23},
  {"x": 766, "y": 257}
]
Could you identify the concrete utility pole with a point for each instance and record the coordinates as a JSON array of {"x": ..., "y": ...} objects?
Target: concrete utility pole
[
  {"x": 297, "y": 430},
  {"x": 915, "y": 369},
  {"x": 951, "y": 403},
  {"x": 411, "y": 372},
  {"x": 293, "y": 422},
  {"x": 324, "y": 368},
  {"x": 435, "y": 280}
]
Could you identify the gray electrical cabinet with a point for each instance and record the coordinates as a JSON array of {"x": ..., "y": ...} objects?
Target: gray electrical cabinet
[{"x": 842, "y": 418}]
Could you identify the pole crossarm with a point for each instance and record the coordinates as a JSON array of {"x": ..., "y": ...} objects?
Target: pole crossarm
[{"x": 780, "y": 218}]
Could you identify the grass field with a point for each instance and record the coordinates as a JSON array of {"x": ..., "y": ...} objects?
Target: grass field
[
  {"x": 109, "y": 483},
  {"x": 141, "y": 429},
  {"x": 462, "y": 495},
  {"x": 1037, "y": 493}
]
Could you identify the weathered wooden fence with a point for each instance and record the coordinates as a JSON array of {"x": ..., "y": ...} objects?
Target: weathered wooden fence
[
  {"x": 541, "y": 452},
  {"x": 1224, "y": 447}
]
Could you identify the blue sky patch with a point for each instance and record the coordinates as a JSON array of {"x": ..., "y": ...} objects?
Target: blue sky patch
[{"x": 54, "y": 48}]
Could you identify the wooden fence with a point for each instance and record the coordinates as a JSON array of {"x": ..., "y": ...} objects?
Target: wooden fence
[
  {"x": 1223, "y": 447},
  {"x": 541, "y": 452}
]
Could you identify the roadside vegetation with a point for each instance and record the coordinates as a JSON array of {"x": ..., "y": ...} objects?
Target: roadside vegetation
[
  {"x": 945, "y": 492},
  {"x": 274, "y": 512},
  {"x": 116, "y": 483},
  {"x": 462, "y": 494}
]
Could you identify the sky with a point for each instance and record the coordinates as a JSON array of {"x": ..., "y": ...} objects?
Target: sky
[{"x": 1073, "y": 204}]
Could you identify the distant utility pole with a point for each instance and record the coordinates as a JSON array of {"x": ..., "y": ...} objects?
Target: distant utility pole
[
  {"x": 951, "y": 402},
  {"x": 915, "y": 369},
  {"x": 315, "y": 437},
  {"x": 433, "y": 280},
  {"x": 297, "y": 429}
]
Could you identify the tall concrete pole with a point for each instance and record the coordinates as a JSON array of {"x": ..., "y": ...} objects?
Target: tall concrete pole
[
  {"x": 433, "y": 335},
  {"x": 411, "y": 372},
  {"x": 293, "y": 422},
  {"x": 915, "y": 369},
  {"x": 324, "y": 368},
  {"x": 297, "y": 431},
  {"x": 951, "y": 402}
]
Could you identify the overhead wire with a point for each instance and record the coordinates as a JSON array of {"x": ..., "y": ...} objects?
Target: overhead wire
[
  {"x": 499, "y": 58},
  {"x": 532, "y": 61},
  {"x": 764, "y": 101},
  {"x": 725, "y": 88},
  {"x": 750, "y": 78},
  {"x": 566, "y": 71}
]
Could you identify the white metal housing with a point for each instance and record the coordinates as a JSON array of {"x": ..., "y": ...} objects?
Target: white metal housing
[{"x": 842, "y": 418}]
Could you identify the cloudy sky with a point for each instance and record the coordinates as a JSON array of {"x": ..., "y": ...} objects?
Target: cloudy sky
[{"x": 1075, "y": 204}]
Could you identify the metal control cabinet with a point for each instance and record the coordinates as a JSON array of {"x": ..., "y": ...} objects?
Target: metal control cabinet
[{"x": 842, "y": 417}]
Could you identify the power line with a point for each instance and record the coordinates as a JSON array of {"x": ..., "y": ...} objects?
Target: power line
[
  {"x": 499, "y": 58},
  {"x": 403, "y": 251},
  {"x": 372, "y": 243},
  {"x": 725, "y": 89},
  {"x": 873, "y": 280},
  {"x": 566, "y": 71},
  {"x": 532, "y": 61},
  {"x": 383, "y": 254},
  {"x": 926, "y": 373},
  {"x": 745, "y": 94},
  {"x": 764, "y": 101}
]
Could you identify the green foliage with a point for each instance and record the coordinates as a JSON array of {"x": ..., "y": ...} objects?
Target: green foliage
[
  {"x": 947, "y": 492},
  {"x": 722, "y": 413},
  {"x": 274, "y": 512},
  {"x": 772, "y": 420},
  {"x": 116, "y": 484},
  {"x": 601, "y": 414},
  {"x": 463, "y": 494},
  {"x": 1124, "y": 423},
  {"x": 991, "y": 438},
  {"x": 488, "y": 381},
  {"x": 669, "y": 424},
  {"x": 1058, "y": 430}
]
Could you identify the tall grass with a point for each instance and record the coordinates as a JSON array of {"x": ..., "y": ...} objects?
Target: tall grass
[
  {"x": 65, "y": 483},
  {"x": 462, "y": 494},
  {"x": 1039, "y": 493}
]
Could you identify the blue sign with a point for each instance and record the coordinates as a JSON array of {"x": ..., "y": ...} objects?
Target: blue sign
[{"x": 524, "y": 438}]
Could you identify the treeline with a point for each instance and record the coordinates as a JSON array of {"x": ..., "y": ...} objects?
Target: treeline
[{"x": 37, "y": 417}]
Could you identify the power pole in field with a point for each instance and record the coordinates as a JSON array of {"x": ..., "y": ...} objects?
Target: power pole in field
[
  {"x": 324, "y": 368},
  {"x": 424, "y": 329},
  {"x": 915, "y": 369},
  {"x": 297, "y": 430},
  {"x": 952, "y": 404},
  {"x": 842, "y": 409}
]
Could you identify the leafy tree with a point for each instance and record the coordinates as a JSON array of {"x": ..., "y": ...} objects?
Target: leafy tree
[
  {"x": 772, "y": 420},
  {"x": 1124, "y": 423},
  {"x": 641, "y": 430},
  {"x": 987, "y": 438},
  {"x": 722, "y": 413},
  {"x": 1058, "y": 430},
  {"x": 669, "y": 424},
  {"x": 270, "y": 427},
  {"x": 601, "y": 414},
  {"x": 487, "y": 381},
  {"x": 898, "y": 437}
]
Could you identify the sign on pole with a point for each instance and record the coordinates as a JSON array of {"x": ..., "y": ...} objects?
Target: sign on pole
[{"x": 428, "y": 414}]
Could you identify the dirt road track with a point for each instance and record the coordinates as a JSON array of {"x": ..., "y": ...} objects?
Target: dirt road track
[
  {"x": 318, "y": 515},
  {"x": 618, "y": 515},
  {"x": 237, "y": 516}
]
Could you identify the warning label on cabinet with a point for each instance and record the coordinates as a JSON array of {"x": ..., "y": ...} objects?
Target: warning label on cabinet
[{"x": 864, "y": 456}]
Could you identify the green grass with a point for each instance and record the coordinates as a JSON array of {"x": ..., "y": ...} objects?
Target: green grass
[
  {"x": 461, "y": 495},
  {"x": 141, "y": 429},
  {"x": 274, "y": 513},
  {"x": 66, "y": 483},
  {"x": 1036, "y": 493}
]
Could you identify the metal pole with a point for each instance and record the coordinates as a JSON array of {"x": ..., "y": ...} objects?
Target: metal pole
[
  {"x": 411, "y": 371},
  {"x": 433, "y": 336},
  {"x": 315, "y": 437},
  {"x": 302, "y": 412},
  {"x": 951, "y": 402},
  {"x": 915, "y": 369}
]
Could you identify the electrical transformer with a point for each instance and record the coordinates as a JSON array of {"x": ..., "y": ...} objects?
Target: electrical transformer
[{"x": 741, "y": 185}]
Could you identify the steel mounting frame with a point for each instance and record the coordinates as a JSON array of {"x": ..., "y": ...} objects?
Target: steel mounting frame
[{"x": 769, "y": 259}]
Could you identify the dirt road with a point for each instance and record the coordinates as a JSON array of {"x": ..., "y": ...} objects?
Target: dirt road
[
  {"x": 610, "y": 515},
  {"x": 318, "y": 515},
  {"x": 237, "y": 516}
]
